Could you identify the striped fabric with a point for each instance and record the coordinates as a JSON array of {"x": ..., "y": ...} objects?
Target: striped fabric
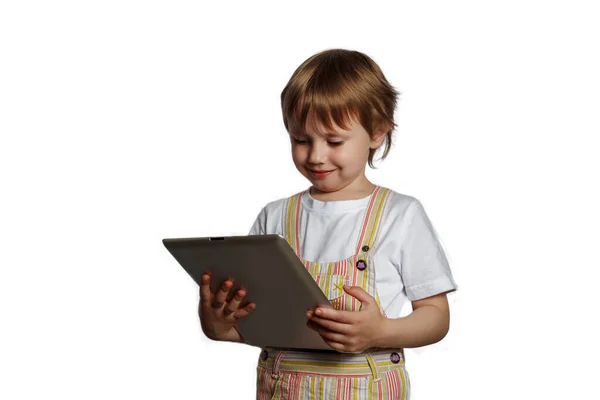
[
  {"x": 331, "y": 375},
  {"x": 380, "y": 374}
]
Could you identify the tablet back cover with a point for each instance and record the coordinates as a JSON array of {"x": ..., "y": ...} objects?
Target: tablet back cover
[{"x": 273, "y": 277}]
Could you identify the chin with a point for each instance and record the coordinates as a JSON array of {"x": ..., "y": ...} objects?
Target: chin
[{"x": 323, "y": 187}]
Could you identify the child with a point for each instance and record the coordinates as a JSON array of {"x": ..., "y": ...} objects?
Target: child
[{"x": 368, "y": 248}]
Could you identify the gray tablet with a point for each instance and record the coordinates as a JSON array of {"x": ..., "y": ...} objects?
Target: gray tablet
[{"x": 272, "y": 275}]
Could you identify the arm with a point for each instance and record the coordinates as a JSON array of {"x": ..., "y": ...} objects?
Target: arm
[
  {"x": 424, "y": 270},
  {"x": 427, "y": 324},
  {"x": 355, "y": 331}
]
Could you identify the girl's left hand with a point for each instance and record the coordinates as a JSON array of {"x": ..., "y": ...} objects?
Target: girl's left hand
[{"x": 350, "y": 331}]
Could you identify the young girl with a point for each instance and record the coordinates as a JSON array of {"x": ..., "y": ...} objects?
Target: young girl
[{"x": 368, "y": 248}]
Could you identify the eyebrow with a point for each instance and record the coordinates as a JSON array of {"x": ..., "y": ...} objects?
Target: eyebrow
[{"x": 325, "y": 134}]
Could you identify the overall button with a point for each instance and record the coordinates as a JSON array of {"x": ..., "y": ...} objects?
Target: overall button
[
  {"x": 264, "y": 355},
  {"x": 361, "y": 265},
  {"x": 365, "y": 248},
  {"x": 395, "y": 358}
]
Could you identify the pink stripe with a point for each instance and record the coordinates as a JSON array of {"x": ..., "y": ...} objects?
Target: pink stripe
[
  {"x": 396, "y": 384},
  {"x": 298, "y": 386},
  {"x": 289, "y": 386},
  {"x": 354, "y": 277},
  {"x": 277, "y": 362},
  {"x": 348, "y": 382}
]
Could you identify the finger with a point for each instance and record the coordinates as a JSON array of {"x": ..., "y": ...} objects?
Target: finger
[
  {"x": 221, "y": 295},
  {"x": 330, "y": 324},
  {"x": 242, "y": 312},
  {"x": 360, "y": 294},
  {"x": 341, "y": 347},
  {"x": 205, "y": 293},
  {"x": 326, "y": 333},
  {"x": 345, "y": 317},
  {"x": 335, "y": 345},
  {"x": 234, "y": 304}
]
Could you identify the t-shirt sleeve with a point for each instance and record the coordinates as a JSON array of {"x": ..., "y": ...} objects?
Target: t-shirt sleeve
[
  {"x": 260, "y": 224},
  {"x": 424, "y": 267}
]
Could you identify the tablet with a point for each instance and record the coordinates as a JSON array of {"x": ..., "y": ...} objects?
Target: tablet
[{"x": 274, "y": 279}]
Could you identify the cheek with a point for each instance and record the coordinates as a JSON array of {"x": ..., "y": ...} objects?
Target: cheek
[
  {"x": 344, "y": 156},
  {"x": 298, "y": 155},
  {"x": 351, "y": 158}
]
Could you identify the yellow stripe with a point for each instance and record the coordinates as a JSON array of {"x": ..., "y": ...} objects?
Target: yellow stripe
[
  {"x": 321, "y": 388},
  {"x": 381, "y": 201},
  {"x": 403, "y": 379},
  {"x": 289, "y": 223},
  {"x": 372, "y": 365}
]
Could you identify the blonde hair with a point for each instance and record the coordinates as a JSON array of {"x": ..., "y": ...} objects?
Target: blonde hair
[{"x": 340, "y": 85}]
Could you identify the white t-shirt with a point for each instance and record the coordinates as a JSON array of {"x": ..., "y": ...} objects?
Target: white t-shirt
[{"x": 409, "y": 260}]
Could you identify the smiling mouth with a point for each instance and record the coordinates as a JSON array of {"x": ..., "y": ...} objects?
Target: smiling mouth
[{"x": 319, "y": 174}]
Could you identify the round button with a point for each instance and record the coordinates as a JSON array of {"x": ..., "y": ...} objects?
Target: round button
[
  {"x": 395, "y": 358},
  {"x": 264, "y": 355},
  {"x": 361, "y": 265},
  {"x": 365, "y": 248}
]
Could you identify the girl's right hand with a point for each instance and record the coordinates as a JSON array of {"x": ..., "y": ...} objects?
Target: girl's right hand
[{"x": 218, "y": 316}]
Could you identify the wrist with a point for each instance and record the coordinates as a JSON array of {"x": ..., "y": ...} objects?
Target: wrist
[
  {"x": 237, "y": 336},
  {"x": 385, "y": 333}
]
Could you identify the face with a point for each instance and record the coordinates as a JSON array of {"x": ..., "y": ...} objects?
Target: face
[{"x": 334, "y": 161}]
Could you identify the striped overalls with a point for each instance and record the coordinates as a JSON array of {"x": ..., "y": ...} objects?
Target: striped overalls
[{"x": 377, "y": 374}]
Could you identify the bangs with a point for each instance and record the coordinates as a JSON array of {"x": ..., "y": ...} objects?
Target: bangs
[{"x": 325, "y": 115}]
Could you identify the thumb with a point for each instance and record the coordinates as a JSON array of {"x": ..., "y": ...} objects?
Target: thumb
[{"x": 356, "y": 291}]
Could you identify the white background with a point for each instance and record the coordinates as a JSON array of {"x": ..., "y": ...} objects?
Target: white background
[{"x": 124, "y": 122}]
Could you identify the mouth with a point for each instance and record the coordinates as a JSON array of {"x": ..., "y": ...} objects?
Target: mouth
[{"x": 320, "y": 174}]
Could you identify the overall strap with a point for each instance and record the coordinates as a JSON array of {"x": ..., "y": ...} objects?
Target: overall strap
[
  {"x": 291, "y": 216},
  {"x": 372, "y": 220}
]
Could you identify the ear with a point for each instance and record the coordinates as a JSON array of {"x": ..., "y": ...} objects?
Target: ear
[{"x": 379, "y": 135}]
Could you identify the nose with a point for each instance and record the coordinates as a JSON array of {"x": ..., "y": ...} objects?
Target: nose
[{"x": 317, "y": 153}]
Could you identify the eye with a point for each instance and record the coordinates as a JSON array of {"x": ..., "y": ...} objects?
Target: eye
[
  {"x": 335, "y": 144},
  {"x": 300, "y": 141}
]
